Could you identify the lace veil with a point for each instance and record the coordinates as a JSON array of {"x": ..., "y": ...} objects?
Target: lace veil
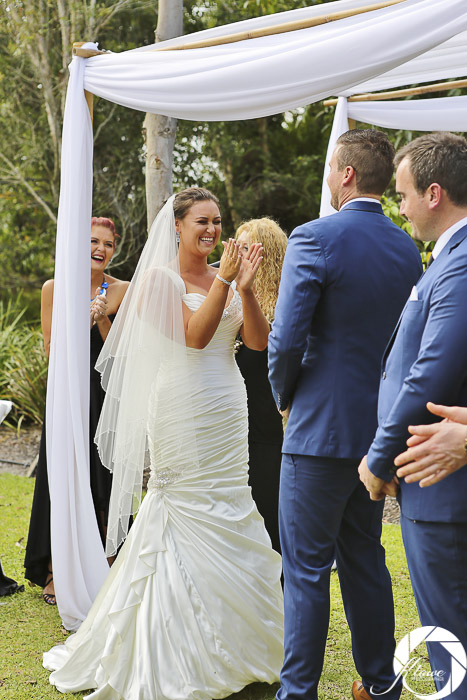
[{"x": 145, "y": 375}]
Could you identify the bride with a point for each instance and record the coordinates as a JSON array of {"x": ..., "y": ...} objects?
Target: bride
[{"x": 192, "y": 607}]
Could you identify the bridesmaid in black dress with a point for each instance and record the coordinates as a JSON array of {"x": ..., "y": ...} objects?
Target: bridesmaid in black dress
[
  {"x": 106, "y": 296},
  {"x": 265, "y": 431}
]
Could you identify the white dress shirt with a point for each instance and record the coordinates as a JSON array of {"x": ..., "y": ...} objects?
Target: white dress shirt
[
  {"x": 360, "y": 199},
  {"x": 446, "y": 236}
]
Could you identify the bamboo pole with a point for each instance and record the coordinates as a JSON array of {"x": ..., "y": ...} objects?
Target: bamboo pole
[
  {"x": 406, "y": 92},
  {"x": 278, "y": 28},
  {"x": 86, "y": 53},
  {"x": 90, "y": 102}
]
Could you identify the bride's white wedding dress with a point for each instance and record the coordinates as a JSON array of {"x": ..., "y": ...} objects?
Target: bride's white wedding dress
[{"x": 192, "y": 607}]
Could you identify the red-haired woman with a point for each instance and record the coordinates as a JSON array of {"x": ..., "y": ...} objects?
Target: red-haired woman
[{"x": 106, "y": 296}]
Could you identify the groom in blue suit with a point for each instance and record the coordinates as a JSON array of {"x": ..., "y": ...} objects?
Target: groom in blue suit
[
  {"x": 345, "y": 280},
  {"x": 426, "y": 360}
]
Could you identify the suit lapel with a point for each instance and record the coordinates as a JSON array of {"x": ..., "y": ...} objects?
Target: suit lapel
[
  {"x": 430, "y": 271},
  {"x": 457, "y": 239},
  {"x": 451, "y": 245},
  {"x": 394, "y": 333}
]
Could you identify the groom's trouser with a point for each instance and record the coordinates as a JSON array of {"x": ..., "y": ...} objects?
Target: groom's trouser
[
  {"x": 326, "y": 513},
  {"x": 437, "y": 559}
]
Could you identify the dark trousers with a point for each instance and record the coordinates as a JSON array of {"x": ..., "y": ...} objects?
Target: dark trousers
[
  {"x": 263, "y": 477},
  {"x": 326, "y": 513},
  {"x": 437, "y": 560}
]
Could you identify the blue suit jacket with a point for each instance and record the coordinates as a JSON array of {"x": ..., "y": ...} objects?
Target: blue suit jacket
[
  {"x": 426, "y": 360},
  {"x": 344, "y": 282}
]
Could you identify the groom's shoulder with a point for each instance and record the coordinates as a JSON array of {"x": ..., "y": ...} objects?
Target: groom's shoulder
[
  {"x": 335, "y": 221},
  {"x": 323, "y": 230},
  {"x": 347, "y": 227},
  {"x": 315, "y": 227}
]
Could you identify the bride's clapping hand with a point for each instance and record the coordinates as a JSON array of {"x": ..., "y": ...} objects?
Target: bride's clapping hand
[
  {"x": 230, "y": 260},
  {"x": 249, "y": 267}
]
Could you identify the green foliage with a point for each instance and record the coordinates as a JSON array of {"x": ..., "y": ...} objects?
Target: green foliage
[
  {"x": 391, "y": 209},
  {"x": 35, "y": 50},
  {"x": 23, "y": 364},
  {"x": 271, "y": 166},
  {"x": 266, "y": 166}
]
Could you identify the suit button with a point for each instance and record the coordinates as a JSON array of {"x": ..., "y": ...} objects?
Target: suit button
[{"x": 384, "y": 375}]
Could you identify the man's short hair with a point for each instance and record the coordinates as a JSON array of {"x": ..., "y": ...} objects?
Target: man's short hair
[
  {"x": 371, "y": 155},
  {"x": 439, "y": 158}
]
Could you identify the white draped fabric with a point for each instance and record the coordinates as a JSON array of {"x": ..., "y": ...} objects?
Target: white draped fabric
[
  {"x": 238, "y": 81},
  {"x": 79, "y": 562},
  {"x": 436, "y": 114},
  {"x": 5, "y": 408},
  {"x": 339, "y": 126},
  {"x": 446, "y": 61},
  {"x": 274, "y": 73}
]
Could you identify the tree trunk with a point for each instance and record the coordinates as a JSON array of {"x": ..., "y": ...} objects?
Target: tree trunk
[{"x": 159, "y": 131}]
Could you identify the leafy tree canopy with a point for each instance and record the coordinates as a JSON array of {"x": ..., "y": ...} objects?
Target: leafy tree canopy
[{"x": 267, "y": 166}]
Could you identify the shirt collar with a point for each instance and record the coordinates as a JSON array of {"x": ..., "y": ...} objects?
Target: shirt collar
[
  {"x": 360, "y": 199},
  {"x": 445, "y": 237}
]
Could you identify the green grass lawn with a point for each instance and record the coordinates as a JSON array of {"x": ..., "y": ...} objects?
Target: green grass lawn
[{"x": 28, "y": 626}]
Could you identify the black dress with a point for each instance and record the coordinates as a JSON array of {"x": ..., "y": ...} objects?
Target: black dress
[
  {"x": 38, "y": 549},
  {"x": 7, "y": 585},
  {"x": 265, "y": 435}
]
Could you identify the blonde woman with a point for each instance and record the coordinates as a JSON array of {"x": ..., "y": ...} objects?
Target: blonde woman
[{"x": 265, "y": 431}]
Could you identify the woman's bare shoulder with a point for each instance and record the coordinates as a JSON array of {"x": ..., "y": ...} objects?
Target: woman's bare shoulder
[
  {"x": 48, "y": 289},
  {"x": 115, "y": 293},
  {"x": 119, "y": 287}
]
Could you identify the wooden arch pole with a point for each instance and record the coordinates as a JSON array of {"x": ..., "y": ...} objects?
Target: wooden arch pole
[
  {"x": 242, "y": 36},
  {"x": 256, "y": 33},
  {"x": 90, "y": 102},
  {"x": 87, "y": 53},
  {"x": 279, "y": 28},
  {"x": 406, "y": 92}
]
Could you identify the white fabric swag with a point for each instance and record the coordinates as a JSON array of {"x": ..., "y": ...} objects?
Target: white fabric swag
[
  {"x": 237, "y": 81},
  {"x": 435, "y": 114}
]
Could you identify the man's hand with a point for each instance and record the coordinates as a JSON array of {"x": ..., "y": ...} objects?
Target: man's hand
[
  {"x": 376, "y": 487},
  {"x": 457, "y": 414},
  {"x": 436, "y": 450}
]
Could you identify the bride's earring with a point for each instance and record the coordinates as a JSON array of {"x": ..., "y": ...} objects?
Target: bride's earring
[{"x": 177, "y": 235}]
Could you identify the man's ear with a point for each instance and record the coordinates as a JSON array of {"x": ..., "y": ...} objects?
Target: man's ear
[
  {"x": 349, "y": 174},
  {"x": 435, "y": 194}
]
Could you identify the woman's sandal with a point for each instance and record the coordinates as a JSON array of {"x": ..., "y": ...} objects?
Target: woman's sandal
[{"x": 49, "y": 598}]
